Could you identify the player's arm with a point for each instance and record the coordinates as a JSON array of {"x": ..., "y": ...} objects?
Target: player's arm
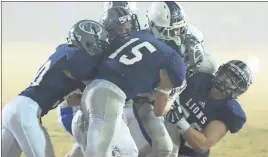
[
  {"x": 162, "y": 101},
  {"x": 231, "y": 117},
  {"x": 176, "y": 70},
  {"x": 86, "y": 67},
  {"x": 208, "y": 137},
  {"x": 173, "y": 77}
]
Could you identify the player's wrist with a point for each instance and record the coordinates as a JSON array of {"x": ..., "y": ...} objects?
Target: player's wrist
[
  {"x": 163, "y": 91},
  {"x": 182, "y": 125}
]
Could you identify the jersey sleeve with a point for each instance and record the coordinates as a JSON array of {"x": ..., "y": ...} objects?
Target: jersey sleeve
[
  {"x": 81, "y": 65},
  {"x": 176, "y": 69},
  {"x": 233, "y": 116}
]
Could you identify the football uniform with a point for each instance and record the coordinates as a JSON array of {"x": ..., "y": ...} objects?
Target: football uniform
[
  {"x": 59, "y": 76},
  {"x": 132, "y": 69}
]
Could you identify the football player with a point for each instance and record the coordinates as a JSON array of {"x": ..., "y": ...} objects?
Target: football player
[
  {"x": 67, "y": 109},
  {"x": 207, "y": 109},
  {"x": 167, "y": 28},
  {"x": 168, "y": 20},
  {"x": 141, "y": 64},
  {"x": 162, "y": 142},
  {"x": 64, "y": 72},
  {"x": 129, "y": 115},
  {"x": 152, "y": 127}
]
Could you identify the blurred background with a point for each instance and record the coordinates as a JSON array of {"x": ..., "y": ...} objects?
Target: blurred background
[
  {"x": 228, "y": 26},
  {"x": 232, "y": 30}
]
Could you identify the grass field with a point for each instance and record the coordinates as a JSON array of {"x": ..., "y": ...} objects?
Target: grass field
[{"x": 20, "y": 65}]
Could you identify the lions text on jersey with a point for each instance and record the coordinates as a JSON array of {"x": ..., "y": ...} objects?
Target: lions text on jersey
[{"x": 200, "y": 110}]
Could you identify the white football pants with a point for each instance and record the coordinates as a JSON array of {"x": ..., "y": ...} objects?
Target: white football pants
[
  {"x": 22, "y": 131},
  {"x": 73, "y": 121},
  {"x": 76, "y": 151},
  {"x": 153, "y": 129},
  {"x": 102, "y": 104}
]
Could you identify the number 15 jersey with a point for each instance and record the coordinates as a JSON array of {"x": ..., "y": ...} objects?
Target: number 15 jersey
[{"x": 134, "y": 67}]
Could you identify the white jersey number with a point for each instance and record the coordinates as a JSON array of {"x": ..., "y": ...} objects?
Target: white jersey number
[
  {"x": 40, "y": 74},
  {"x": 135, "y": 50}
]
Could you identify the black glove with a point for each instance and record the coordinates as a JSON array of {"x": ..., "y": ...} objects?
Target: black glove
[{"x": 174, "y": 115}]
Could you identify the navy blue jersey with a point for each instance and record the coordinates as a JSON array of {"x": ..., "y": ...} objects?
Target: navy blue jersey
[
  {"x": 134, "y": 67},
  {"x": 200, "y": 110},
  {"x": 53, "y": 80}
]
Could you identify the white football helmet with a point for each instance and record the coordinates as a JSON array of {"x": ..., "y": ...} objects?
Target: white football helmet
[
  {"x": 142, "y": 16},
  {"x": 125, "y": 4},
  {"x": 167, "y": 20}
]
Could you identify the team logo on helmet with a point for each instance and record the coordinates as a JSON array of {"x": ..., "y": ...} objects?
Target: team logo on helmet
[
  {"x": 175, "y": 12},
  {"x": 90, "y": 27},
  {"x": 176, "y": 15},
  {"x": 124, "y": 19}
]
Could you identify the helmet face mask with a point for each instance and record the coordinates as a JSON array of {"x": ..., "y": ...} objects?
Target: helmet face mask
[
  {"x": 233, "y": 78},
  {"x": 168, "y": 33},
  {"x": 225, "y": 81},
  {"x": 119, "y": 23},
  {"x": 121, "y": 30},
  {"x": 167, "y": 20}
]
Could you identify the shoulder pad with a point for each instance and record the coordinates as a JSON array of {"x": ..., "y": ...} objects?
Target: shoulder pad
[
  {"x": 236, "y": 108},
  {"x": 69, "y": 50},
  {"x": 234, "y": 116}
]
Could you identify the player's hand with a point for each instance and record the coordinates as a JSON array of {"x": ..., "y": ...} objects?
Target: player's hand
[{"x": 174, "y": 115}]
